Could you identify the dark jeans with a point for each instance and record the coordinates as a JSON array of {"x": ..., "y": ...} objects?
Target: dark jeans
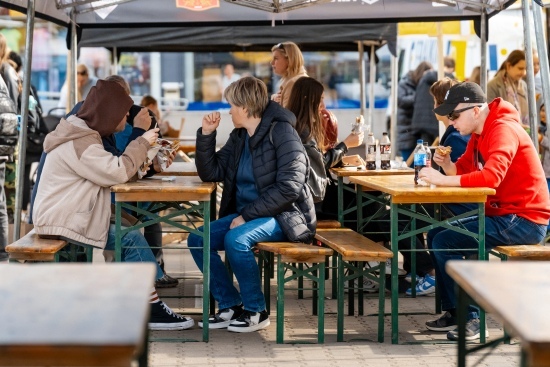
[{"x": 501, "y": 230}]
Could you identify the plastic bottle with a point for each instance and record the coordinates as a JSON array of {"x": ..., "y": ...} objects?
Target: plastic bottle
[
  {"x": 385, "y": 151},
  {"x": 419, "y": 159},
  {"x": 371, "y": 152},
  {"x": 428, "y": 154}
]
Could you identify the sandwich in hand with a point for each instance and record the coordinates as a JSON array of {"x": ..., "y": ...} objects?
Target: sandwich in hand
[{"x": 443, "y": 151}]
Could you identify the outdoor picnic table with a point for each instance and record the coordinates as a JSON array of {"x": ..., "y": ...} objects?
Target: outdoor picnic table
[
  {"x": 515, "y": 293},
  {"x": 185, "y": 196},
  {"x": 400, "y": 193},
  {"x": 74, "y": 314}
]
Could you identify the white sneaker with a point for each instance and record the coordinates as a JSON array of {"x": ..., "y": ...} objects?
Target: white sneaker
[
  {"x": 399, "y": 270},
  {"x": 369, "y": 286}
]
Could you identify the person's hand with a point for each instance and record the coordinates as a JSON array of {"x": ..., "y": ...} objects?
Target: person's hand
[
  {"x": 276, "y": 97},
  {"x": 354, "y": 140},
  {"x": 430, "y": 176},
  {"x": 151, "y": 136},
  {"x": 171, "y": 158},
  {"x": 442, "y": 161},
  {"x": 237, "y": 222},
  {"x": 210, "y": 123},
  {"x": 142, "y": 119}
]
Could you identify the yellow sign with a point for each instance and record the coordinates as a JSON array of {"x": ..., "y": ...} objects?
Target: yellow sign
[{"x": 430, "y": 28}]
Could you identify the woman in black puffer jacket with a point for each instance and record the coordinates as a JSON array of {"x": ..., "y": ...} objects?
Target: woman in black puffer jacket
[
  {"x": 406, "y": 92},
  {"x": 265, "y": 198}
]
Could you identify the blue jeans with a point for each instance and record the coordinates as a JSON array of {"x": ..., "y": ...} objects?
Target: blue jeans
[
  {"x": 499, "y": 230},
  {"x": 237, "y": 244},
  {"x": 134, "y": 248}
]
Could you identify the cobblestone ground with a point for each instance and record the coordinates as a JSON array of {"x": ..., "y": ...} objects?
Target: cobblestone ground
[{"x": 419, "y": 347}]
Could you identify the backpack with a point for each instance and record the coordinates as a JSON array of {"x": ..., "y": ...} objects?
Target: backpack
[
  {"x": 317, "y": 176},
  {"x": 8, "y": 122}
]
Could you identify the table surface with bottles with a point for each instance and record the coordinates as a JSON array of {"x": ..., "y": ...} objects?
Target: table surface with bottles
[{"x": 403, "y": 196}]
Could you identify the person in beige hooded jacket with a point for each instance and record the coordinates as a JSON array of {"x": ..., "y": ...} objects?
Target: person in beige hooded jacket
[{"x": 73, "y": 199}]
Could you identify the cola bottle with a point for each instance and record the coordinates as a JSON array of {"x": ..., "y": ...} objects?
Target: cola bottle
[
  {"x": 385, "y": 151},
  {"x": 371, "y": 152},
  {"x": 419, "y": 155}
]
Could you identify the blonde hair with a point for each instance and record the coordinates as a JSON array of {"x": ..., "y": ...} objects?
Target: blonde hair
[
  {"x": 4, "y": 50},
  {"x": 250, "y": 93},
  {"x": 292, "y": 52}
]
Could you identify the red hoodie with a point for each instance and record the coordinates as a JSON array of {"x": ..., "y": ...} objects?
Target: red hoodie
[{"x": 508, "y": 162}]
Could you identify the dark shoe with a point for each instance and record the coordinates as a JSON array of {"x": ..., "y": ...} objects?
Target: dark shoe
[
  {"x": 166, "y": 282},
  {"x": 249, "y": 321},
  {"x": 224, "y": 317},
  {"x": 473, "y": 331},
  {"x": 163, "y": 318},
  {"x": 446, "y": 322}
]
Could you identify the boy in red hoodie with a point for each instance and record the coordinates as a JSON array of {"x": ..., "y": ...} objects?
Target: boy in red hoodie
[{"x": 499, "y": 155}]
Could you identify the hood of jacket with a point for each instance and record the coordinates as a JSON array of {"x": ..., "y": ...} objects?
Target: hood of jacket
[
  {"x": 273, "y": 112},
  {"x": 505, "y": 112},
  {"x": 68, "y": 129}
]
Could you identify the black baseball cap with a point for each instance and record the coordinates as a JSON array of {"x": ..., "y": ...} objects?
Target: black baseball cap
[{"x": 466, "y": 92}]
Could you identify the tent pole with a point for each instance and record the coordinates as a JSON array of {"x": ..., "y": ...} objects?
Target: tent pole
[
  {"x": 483, "y": 66},
  {"x": 372, "y": 81},
  {"x": 22, "y": 144},
  {"x": 360, "y": 49},
  {"x": 530, "y": 73},
  {"x": 543, "y": 57},
  {"x": 393, "y": 102},
  {"x": 73, "y": 95}
]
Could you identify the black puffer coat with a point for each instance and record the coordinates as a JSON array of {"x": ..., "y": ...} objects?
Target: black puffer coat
[
  {"x": 280, "y": 171},
  {"x": 405, "y": 103}
]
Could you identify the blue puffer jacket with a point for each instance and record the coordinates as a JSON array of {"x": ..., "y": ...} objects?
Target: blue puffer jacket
[{"x": 280, "y": 171}]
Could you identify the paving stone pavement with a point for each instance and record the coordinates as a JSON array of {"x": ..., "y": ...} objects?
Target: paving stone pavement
[{"x": 419, "y": 347}]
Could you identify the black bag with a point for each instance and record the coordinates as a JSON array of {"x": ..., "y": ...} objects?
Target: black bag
[
  {"x": 36, "y": 128},
  {"x": 317, "y": 179}
]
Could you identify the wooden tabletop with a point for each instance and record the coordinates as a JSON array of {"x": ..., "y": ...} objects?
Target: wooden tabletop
[
  {"x": 352, "y": 171},
  {"x": 403, "y": 190},
  {"x": 155, "y": 189},
  {"x": 73, "y": 314},
  {"x": 515, "y": 292},
  {"x": 180, "y": 169}
]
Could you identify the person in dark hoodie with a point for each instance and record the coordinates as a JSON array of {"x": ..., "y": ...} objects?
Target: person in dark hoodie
[
  {"x": 265, "y": 198},
  {"x": 499, "y": 155},
  {"x": 73, "y": 200}
]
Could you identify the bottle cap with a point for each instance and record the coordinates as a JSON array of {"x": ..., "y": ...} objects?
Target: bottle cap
[{"x": 419, "y": 141}]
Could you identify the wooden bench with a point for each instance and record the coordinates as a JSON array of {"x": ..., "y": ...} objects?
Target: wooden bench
[
  {"x": 522, "y": 252},
  {"x": 31, "y": 247},
  {"x": 289, "y": 254},
  {"x": 81, "y": 316},
  {"x": 353, "y": 251},
  {"x": 327, "y": 223}
]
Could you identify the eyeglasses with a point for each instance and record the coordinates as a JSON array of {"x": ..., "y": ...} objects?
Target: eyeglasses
[
  {"x": 456, "y": 113},
  {"x": 83, "y": 73}
]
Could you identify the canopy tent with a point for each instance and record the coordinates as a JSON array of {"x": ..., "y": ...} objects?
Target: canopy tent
[{"x": 116, "y": 25}]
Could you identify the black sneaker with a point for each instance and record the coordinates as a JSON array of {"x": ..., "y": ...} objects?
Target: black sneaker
[
  {"x": 163, "y": 318},
  {"x": 166, "y": 282},
  {"x": 473, "y": 331},
  {"x": 249, "y": 321},
  {"x": 446, "y": 322},
  {"x": 224, "y": 317}
]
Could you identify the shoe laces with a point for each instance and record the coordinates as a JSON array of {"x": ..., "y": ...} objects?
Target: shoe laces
[{"x": 169, "y": 311}]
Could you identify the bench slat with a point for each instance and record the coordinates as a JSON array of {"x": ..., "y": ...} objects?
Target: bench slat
[
  {"x": 530, "y": 252},
  {"x": 325, "y": 224},
  {"x": 32, "y": 247},
  {"x": 296, "y": 252},
  {"x": 352, "y": 245}
]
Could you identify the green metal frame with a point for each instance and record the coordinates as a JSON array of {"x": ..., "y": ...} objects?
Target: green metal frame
[
  {"x": 358, "y": 272},
  {"x": 414, "y": 212},
  {"x": 315, "y": 272},
  {"x": 150, "y": 216}
]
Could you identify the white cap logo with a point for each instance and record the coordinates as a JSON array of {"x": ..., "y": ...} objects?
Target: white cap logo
[
  {"x": 466, "y": 98},
  {"x": 447, "y": 95}
]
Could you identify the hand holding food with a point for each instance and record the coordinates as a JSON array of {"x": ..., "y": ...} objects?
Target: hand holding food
[
  {"x": 151, "y": 136},
  {"x": 444, "y": 150},
  {"x": 357, "y": 126}
]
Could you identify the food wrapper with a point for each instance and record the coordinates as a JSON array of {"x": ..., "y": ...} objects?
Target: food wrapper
[
  {"x": 358, "y": 125},
  {"x": 162, "y": 150},
  {"x": 353, "y": 160}
]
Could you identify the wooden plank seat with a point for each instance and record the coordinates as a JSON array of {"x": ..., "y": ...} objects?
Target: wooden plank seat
[
  {"x": 353, "y": 250},
  {"x": 288, "y": 255},
  {"x": 32, "y": 247},
  {"x": 327, "y": 223},
  {"x": 522, "y": 252}
]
